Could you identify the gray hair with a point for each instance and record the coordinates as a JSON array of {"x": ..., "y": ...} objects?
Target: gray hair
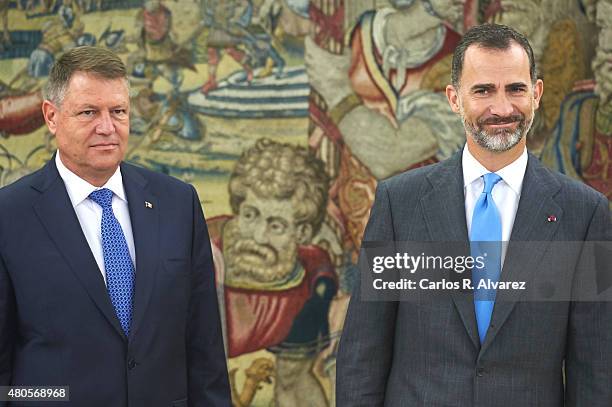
[{"x": 97, "y": 61}]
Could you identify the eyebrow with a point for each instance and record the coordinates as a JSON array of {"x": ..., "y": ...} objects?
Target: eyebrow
[
  {"x": 517, "y": 85},
  {"x": 247, "y": 206},
  {"x": 491, "y": 86},
  {"x": 483, "y": 86},
  {"x": 89, "y": 106},
  {"x": 85, "y": 107}
]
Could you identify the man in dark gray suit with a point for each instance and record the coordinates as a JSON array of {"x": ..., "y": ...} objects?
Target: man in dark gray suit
[{"x": 459, "y": 350}]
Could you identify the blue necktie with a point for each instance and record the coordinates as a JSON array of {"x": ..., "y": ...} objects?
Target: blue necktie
[
  {"x": 117, "y": 261},
  {"x": 486, "y": 236}
]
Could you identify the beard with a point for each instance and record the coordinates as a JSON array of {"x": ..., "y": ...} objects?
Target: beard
[
  {"x": 498, "y": 140},
  {"x": 249, "y": 261}
]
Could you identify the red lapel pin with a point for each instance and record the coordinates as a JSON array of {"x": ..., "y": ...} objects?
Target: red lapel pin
[{"x": 551, "y": 218}]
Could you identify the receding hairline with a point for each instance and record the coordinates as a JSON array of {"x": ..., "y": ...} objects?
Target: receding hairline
[
  {"x": 490, "y": 36},
  {"x": 98, "y": 77},
  {"x": 95, "y": 76},
  {"x": 494, "y": 50},
  {"x": 511, "y": 43},
  {"x": 98, "y": 62}
]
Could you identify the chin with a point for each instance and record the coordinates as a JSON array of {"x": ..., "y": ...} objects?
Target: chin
[{"x": 105, "y": 165}]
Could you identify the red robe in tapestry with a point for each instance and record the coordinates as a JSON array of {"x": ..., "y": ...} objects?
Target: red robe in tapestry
[{"x": 258, "y": 319}]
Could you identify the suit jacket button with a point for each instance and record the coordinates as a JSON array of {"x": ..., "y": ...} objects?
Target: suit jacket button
[
  {"x": 480, "y": 372},
  {"x": 131, "y": 364}
]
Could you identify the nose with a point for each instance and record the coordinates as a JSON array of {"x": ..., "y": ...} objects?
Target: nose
[
  {"x": 260, "y": 233},
  {"x": 501, "y": 106},
  {"x": 105, "y": 125}
]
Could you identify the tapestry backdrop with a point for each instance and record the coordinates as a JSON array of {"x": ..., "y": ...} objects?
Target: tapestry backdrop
[{"x": 284, "y": 114}]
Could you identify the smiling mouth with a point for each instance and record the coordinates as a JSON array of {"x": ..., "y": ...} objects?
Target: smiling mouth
[{"x": 501, "y": 125}]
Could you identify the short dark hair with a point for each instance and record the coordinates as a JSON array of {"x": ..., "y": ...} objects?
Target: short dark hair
[
  {"x": 95, "y": 60},
  {"x": 490, "y": 36}
]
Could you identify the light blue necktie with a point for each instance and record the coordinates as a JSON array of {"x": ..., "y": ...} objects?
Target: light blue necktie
[
  {"x": 486, "y": 236},
  {"x": 117, "y": 261}
]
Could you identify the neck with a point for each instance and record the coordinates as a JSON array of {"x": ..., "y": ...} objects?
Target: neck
[
  {"x": 96, "y": 181},
  {"x": 494, "y": 161}
]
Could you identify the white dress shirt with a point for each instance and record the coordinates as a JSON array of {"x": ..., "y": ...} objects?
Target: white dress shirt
[
  {"x": 506, "y": 193},
  {"x": 89, "y": 213}
]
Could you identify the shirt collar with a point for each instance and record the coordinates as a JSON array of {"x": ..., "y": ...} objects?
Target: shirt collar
[
  {"x": 79, "y": 189},
  {"x": 512, "y": 174}
]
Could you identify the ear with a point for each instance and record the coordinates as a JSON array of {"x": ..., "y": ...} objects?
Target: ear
[
  {"x": 538, "y": 90},
  {"x": 453, "y": 98},
  {"x": 304, "y": 233},
  {"x": 50, "y": 113}
]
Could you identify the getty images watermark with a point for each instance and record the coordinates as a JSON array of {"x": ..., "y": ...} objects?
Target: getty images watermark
[{"x": 500, "y": 271}]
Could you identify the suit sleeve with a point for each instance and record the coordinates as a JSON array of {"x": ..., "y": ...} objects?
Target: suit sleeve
[
  {"x": 207, "y": 369},
  {"x": 589, "y": 351},
  {"x": 366, "y": 346},
  {"x": 8, "y": 325}
]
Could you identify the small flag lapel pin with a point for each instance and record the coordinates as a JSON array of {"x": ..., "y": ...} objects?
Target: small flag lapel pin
[
  {"x": 148, "y": 205},
  {"x": 551, "y": 218}
]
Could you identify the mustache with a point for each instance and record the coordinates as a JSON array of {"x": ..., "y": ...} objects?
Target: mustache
[
  {"x": 247, "y": 246},
  {"x": 515, "y": 118}
]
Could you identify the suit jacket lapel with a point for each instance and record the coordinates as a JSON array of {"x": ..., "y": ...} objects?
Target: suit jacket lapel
[
  {"x": 535, "y": 205},
  {"x": 144, "y": 216},
  {"x": 444, "y": 211},
  {"x": 57, "y": 215}
]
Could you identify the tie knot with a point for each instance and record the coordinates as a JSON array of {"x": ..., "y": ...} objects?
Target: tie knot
[
  {"x": 490, "y": 180},
  {"x": 103, "y": 197}
]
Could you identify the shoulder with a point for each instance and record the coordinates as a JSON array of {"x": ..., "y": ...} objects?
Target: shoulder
[
  {"x": 572, "y": 194},
  {"x": 318, "y": 268},
  {"x": 583, "y": 203},
  {"x": 412, "y": 183},
  {"x": 314, "y": 259},
  {"x": 158, "y": 182},
  {"x": 23, "y": 191},
  {"x": 411, "y": 177},
  {"x": 585, "y": 211},
  {"x": 578, "y": 191}
]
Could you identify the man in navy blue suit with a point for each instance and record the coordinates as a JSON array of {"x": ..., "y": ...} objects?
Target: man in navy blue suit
[{"x": 106, "y": 275}]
